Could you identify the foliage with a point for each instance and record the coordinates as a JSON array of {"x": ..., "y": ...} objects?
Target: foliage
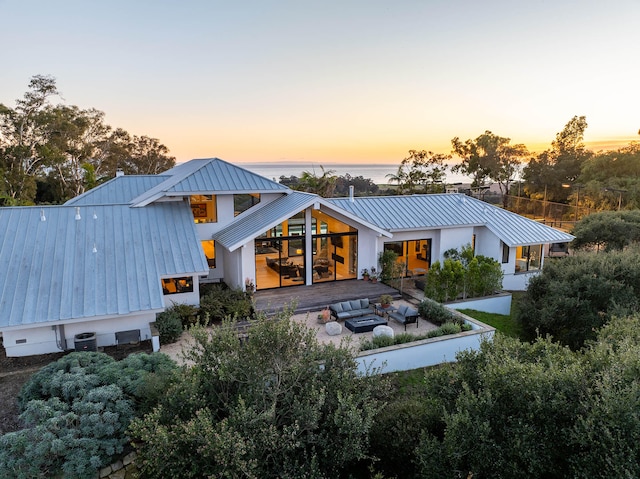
[
  {"x": 386, "y": 299},
  {"x": 489, "y": 157},
  {"x": 537, "y": 409},
  {"x": 611, "y": 230},
  {"x": 187, "y": 313},
  {"x": 277, "y": 405},
  {"x": 575, "y": 296},
  {"x": 436, "y": 313},
  {"x": 559, "y": 165},
  {"x": 390, "y": 269},
  {"x": 361, "y": 186},
  {"x": 219, "y": 302},
  {"x": 463, "y": 275},
  {"x": 421, "y": 172},
  {"x": 77, "y": 411},
  {"x": 169, "y": 326},
  {"x": 323, "y": 185},
  {"x": 59, "y": 151}
]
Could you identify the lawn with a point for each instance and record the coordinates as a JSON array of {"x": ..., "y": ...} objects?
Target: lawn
[{"x": 506, "y": 324}]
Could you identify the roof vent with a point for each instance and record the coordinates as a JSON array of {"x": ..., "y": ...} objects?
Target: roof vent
[
  {"x": 119, "y": 172},
  {"x": 351, "y": 189},
  {"x": 42, "y": 216},
  {"x": 78, "y": 217}
]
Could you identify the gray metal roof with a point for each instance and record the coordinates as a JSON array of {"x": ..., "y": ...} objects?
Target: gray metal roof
[
  {"x": 50, "y": 272},
  {"x": 258, "y": 220},
  {"x": 120, "y": 190},
  {"x": 209, "y": 176},
  {"x": 419, "y": 212}
]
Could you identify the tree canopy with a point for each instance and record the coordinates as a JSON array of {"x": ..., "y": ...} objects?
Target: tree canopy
[{"x": 50, "y": 153}]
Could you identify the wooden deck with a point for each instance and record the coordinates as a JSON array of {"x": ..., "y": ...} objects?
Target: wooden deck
[{"x": 318, "y": 296}]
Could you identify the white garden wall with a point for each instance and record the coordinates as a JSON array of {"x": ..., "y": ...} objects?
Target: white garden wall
[{"x": 426, "y": 352}]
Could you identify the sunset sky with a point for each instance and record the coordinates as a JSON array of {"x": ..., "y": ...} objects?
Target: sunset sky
[{"x": 333, "y": 81}]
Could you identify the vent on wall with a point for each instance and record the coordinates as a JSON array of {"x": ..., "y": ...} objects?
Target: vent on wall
[{"x": 21, "y": 341}]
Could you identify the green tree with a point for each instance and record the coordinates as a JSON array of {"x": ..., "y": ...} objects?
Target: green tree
[
  {"x": 421, "y": 172},
  {"x": 23, "y": 133},
  {"x": 277, "y": 405},
  {"x": 610, "y": 230},
  {"x": 575, "y": 296},
  {"x": 559, "y": 165},
  {"x": 323, "y": 185}
]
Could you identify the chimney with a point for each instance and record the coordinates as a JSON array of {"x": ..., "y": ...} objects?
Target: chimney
[
  {"x": 351, "y": 193},
  {"x": 119, "y": 172}
]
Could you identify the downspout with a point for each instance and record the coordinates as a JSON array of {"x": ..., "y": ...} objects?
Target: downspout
[{"x": 61, "y": 342}]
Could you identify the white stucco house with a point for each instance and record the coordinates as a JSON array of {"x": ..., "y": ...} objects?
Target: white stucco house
[{"x": 110, "y": 259}]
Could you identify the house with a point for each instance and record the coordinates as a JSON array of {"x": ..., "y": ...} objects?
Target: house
[{"x": 110, "y": 259}]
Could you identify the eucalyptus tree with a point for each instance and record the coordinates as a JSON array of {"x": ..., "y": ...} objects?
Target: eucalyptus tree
[
  {"x": 420, "y": 172},
  {"x": 23, "y": 135}
]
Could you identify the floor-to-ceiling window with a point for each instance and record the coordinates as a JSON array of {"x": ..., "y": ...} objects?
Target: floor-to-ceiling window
[
  {"x": 528, "y": 258},
  {"x": 335, "y": 249},
  {"x": 415, "y": 254},
  {"x": 282, "y": 260}
]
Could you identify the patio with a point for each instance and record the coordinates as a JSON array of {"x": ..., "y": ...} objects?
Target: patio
[{"x": 316, "y": 297}]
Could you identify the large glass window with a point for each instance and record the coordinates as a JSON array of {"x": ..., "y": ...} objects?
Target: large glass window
[
  {"x": 209, "y": 248},
  {"x": 414, "y": 254},
  {"x": 204, "y": 208},
  {"x": 528, "y": 258},
  {"x": 177, "y": 285},
  {"x": 242, "y": 202}
]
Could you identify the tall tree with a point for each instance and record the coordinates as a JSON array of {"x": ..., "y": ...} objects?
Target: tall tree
[
  {"x": 559, "y": 165},
  {"x": 490, "y": 157},
  {"x": 22, "y": 136},
  {"x": 420, "y": 172},
  {"x": 323, "y": 185}
]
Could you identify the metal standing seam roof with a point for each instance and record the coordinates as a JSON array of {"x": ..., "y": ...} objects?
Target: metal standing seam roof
[
  {"x": 261, "y": 219},
  {"x": 207, "y": 176},
  {"x": 118, "y": 191},
  {"x": 419, "y": 212},
  {"x": 51, "y": 272}
]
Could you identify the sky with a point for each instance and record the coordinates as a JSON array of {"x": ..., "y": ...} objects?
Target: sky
[{"x": 337, "y": 81}]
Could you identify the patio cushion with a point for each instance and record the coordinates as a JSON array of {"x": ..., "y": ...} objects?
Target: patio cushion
[
  {"x": 403, "y": 309},
  {"x": 346, "y": 306},
  {"x": 355, "y": 304},
  {"x": 364, "y": 303},
  {"x": 337, "y": 307}
]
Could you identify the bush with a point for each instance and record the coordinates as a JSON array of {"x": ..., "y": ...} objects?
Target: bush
[
  {"x": 437, "y": 313},
  {"x": 77, "y": 411},
  {"x": 187, "y": 313},
  {"x": 260, "y": 408},
  {"x": 573, "y": 297},
  {"x": 218, "y": 302},
  {"x": 169, "y": 326},
  {"x": 463, "y": 275}
]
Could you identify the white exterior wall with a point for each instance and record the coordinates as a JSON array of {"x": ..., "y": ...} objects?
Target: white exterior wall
[
  {"x": 518, "y": 281},
  {"x": 488, "y": 244},
  {"x": 451, "y": 238},
  {"x": 192, "y": 298},
  {"x": 42, "y": 339}
]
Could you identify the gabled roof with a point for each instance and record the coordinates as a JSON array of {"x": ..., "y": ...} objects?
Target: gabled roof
[
  {"x": 120, "y": 190},
  {"x": 51, "y": 273},
  {"x": 260, "y": 219},
  {"x": 419, "y": 212},
  {"x": 208, "y": 176}
]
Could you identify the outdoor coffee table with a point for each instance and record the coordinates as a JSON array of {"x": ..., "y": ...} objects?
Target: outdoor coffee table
[
  {"x": 364, "y": 324},
  {"x": 380, "y": 311}
]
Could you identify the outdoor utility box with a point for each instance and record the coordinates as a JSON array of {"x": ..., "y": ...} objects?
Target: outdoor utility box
[{"x": 85, "y": 342}]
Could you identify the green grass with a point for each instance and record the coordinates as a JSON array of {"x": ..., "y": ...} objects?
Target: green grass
[{"x": 506, "y": 324}]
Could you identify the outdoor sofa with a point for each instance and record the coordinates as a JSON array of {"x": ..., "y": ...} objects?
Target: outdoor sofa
[
  {"x": 405, "y": 315},
  {"x": 350, "y": 309}
]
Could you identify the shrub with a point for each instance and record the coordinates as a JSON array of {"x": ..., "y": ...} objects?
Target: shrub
[
  {"x": 77, "y": 411},
  {"x": 169, "y": 326},
  {"x": 187, "y": 313},
  {"x": 463, "y": 275},
  {"x": 218, "y": 303},
  {"x": 436, "y": 313}
]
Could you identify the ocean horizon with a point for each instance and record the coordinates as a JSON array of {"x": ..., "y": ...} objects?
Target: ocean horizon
[{"x": 377, "y": 172}]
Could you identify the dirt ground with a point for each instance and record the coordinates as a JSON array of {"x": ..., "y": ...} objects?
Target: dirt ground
[{"x": 14, "y": 372}]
